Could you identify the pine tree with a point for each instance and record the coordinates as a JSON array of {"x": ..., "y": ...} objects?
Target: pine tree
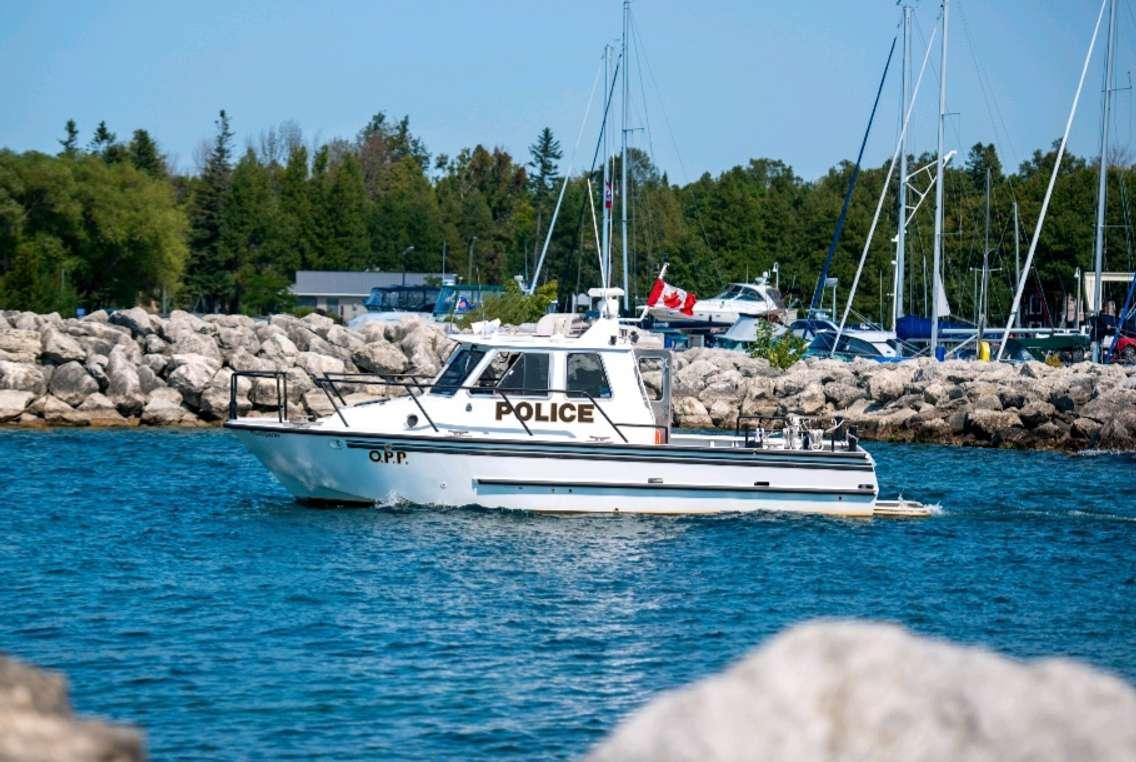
[
  {"x": 343, "y": 219},
  {"x": 296, "y": 223},
  {"x": 71, "y": 142},
  {"x": 545, "y": 153},
  {"x": 103, "y": 137},
  {"x": 209, "y": 277},
  {"x": 143, "y": 154}
]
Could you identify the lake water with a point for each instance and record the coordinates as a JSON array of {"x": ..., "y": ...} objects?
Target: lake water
[{"x": 181, "y": 589}]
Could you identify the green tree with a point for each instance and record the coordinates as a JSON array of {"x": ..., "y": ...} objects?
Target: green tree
[
  {"x": 70, "y": 143},
  {"x": 342, "y": 223},
  {"x": 544, "y": 155},
  {"x": 251, "y": 239},
  {"x": 210, "y": 283},
  {"x": 143, "y": 153}
]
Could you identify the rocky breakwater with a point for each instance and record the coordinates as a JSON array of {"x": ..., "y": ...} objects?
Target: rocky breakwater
[
  {"x": 132, "y": 367},
  {"x": 1030, "y": 405}
]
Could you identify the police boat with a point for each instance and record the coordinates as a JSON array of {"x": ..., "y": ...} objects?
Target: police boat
[{"x": 568, "y": 418}]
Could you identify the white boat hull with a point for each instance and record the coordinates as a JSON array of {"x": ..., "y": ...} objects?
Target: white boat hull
[{"x": 326, "y": 466}]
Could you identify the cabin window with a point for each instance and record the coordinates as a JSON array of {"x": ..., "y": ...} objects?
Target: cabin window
[
  {"x": 651, "y": 374},
  {"x": 461, "y": 365},
  {"x": 586, "y": 376},
  {"x": 524, "y": 373}
]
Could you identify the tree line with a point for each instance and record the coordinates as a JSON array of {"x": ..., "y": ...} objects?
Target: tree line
[{"x": 111, "y": 224}]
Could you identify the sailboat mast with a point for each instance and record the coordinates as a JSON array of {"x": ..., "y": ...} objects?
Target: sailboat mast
[
  {"x": 1102, "y": 182},
  {"x": 937, "y": 253},
  {"x": 984, "y": 294},
  {"x": 605, "y": 276},
  {"x": 623, "y": 162},
  {"x": 901, "y": 196},
  {"x": 1018, "y": 259}
]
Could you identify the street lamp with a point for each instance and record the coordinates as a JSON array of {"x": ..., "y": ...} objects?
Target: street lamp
[
  {"x": 469, "y": 272},
  {"x": 402, "y": 256}
]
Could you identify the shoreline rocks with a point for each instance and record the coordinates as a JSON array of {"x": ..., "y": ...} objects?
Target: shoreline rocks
[
  {"x": 846, "y": 690},
  {"x": 36, "y": 722},
  {"x": 134, "y": 368}
]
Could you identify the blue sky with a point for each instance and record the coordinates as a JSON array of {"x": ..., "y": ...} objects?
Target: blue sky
[{"x": 733, "y": 78}]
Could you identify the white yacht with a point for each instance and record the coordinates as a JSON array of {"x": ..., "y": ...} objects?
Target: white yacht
[
  {"x": 753, "y": 300},
  {"x": 570, "y": 418}
]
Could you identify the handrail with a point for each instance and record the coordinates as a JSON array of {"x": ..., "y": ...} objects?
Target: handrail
[{"x": 327, "y": 384}]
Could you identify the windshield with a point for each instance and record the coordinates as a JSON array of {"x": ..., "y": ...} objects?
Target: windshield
[
  {"x": 458, "y": 370},
  {"x": 733, "y": 292}
]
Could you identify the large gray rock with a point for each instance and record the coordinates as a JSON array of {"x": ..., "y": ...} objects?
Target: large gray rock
[
  {"x": 21, "y": 346},
  {"x": 140, "y": 322},
  {"x": 691, "y": 413},
  {"x": 191, "y": 374},
  {"x": 72, "y": 383},
  {"x": 164, "y": 408},
  {"x": 860, "y": 691},
  {"x": 188, "y": 343},
  {"x": 22, "y": 377},
  {"x": 214, "y": 404},
  {"x": 99, "y": 410},
  {"x": 56, "y": 412},
  {"x": 379, "y": 357},
  {"x": 124, "y": 386},
  {"x": 318, "y": 364},
  {"x": 13, "y": 403},
  {"x": 181, "y": 323},
  {"x": 59, "y": 348},
  {"x": 37, "y": 724}
]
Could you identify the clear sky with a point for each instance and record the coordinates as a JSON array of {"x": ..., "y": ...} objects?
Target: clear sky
[{"x": 733, "y": 78}]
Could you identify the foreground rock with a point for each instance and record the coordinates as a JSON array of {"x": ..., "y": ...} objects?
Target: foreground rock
[
  {"x": 176, "y": 371},
  {"x": 36, "y": 722},
  {"x": 858, "y": 691}
]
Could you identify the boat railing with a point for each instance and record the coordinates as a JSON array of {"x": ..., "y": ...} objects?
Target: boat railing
[
  {"x": 756, "y": 430},
  {"x": 416, "y": 387}
]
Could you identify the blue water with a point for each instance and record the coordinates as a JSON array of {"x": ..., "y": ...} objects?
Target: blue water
[{"x": 180, "y": 589}]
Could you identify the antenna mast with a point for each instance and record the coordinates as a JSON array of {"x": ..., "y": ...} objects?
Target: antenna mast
[{"x": 623, "y": 162}]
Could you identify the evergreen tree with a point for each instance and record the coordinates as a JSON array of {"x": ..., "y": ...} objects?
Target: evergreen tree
[
  {"x": 343, "y": 220},
  {"x": 70, "y": 143},
  {"x": 103, "y": 139},
  {"x": 251, "y": 239},
  {"x": 296, "y": 221},
  {"x": 143, "y": 154},
  {"x": 545, "y": 153},
  {"x": 210, "y": 278}
]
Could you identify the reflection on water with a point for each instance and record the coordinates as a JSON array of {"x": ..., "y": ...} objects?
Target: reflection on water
[{"x": 180, "y": 588}]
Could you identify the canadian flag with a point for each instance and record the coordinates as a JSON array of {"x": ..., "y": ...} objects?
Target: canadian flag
[
  {"x": 671, "y": 297},
  {"x": 607, "y": 195}
]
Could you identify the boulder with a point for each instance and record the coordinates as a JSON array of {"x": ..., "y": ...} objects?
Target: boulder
[
  {"x": 139, "y": 322},
  {"x": 987, "y": 424},
  {"x": 155, "y": 345},
  {"x": 97, "y": 365},
  {"x": 278, "y": 347},
  {"x": 124, "y": 385},
  {"x": 36, "y": 722},
  {"x": 840, "y": 690},
  {"x": 809, "y": 402},
  {"x": 379, "y": 357},
  {"x": 148, "y": 380},
  {"x": 842, "y": 394},
  {"x": 164, "y": 408},
  {"x": 158, "y": 364},
  {"x": 231, "y": 339},
  {"x": 181, "y": 323},
  {"x": 317, "y": 403},
  {"x": 72, "y": 383},
  {"x": 987, "y": 402},
  {"x": 188, "y": 343},
  {"x": 723, "y": 413},
  {"x": 885, "y": 386},
  {"x": 59, "y": 348},
  {"x": 22, "y": 377},
  {"x": 318, "y": 324},
  {"x": 318, "y": 364},
  {"x": 56, "y": 412},
  {"x": 18, "y": 345},
  {"x": 99, "y": 410},
  {"x": 1109, "y": 405},
  {"x": 1035, "y": 413},
  {"x": 690, "y": 413},
  {"x": 1117, "y": 433},
  {"x": 722, "y": 386},
  {"x": 13, "y": 403},
  {"x": 1086, "y": 429},
  {"x": 191, "y": 374},
  {"x": 98, "y": 316},
  {"x": 214, "y": 404}
]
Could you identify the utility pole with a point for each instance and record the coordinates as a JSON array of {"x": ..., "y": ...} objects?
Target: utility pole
[
  {"x": 1102, "y": 184},
  {"x": 937, "y": 253},
  {"x": 901, "y": 196},
  {"x": 623, "y": 162}
]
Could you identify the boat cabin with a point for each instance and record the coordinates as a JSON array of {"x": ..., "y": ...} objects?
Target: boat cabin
[{"x": 556, "y": 383}]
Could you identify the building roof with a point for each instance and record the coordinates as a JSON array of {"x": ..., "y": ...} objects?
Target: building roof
[{"x": 346, "y": 283}]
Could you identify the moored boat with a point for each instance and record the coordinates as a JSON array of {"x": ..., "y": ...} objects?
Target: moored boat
[{"x": 562, "y": 419}]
